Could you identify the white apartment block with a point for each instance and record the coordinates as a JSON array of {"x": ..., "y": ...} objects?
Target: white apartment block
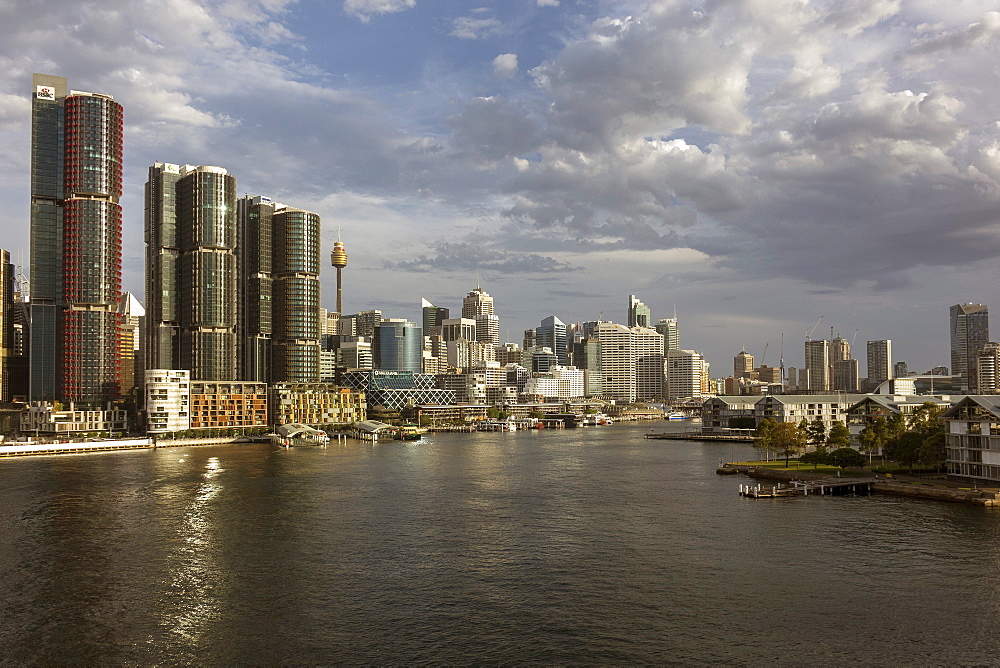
[
  {"x": 631, "y": 361},
  {"x": 687, "y": 372},
  {"x": 168, "y": 396},
  {"x": 829, "y": 408},
  {"x": 560, "y": 382}
]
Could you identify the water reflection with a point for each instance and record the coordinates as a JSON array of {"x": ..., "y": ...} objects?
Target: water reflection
[{"x": 195, "y": 576}]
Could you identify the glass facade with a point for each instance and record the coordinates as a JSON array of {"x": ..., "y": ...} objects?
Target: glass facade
[
  {"x": 76, "y": 244},
  {"x": 398, "y": 346}
]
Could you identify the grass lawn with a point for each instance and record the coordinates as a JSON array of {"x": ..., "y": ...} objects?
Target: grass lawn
[{"x": 824, "y": 469}]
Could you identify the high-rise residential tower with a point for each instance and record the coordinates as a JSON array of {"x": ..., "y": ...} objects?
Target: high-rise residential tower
[
  {"x": 970, "y": 331},
  {"x": 638, "y": 313},
  {"x": 76, "y": 243},
  {"x": 817, "y": 354},
  {"x": 295, "y": 258},
  {"x": 191, "y": 270},
  {"x": 879, "y": 363}
]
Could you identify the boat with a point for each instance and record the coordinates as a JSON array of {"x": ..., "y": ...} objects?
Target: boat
[
  {"x": 597, "y": 419},
  {"x": 677, "y": 415},
  {"x": 496, "y": 425}
]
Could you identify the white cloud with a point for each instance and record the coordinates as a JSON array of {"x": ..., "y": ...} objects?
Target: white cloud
[
  {"x": 365, "y": 9},
  {"x": 466, "y": 27},
  {"x": 548, "y": 3},
  {"x": 505, "y": 65}
]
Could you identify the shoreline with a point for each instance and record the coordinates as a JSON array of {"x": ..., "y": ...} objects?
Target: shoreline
[{"x": 987, "y": 498}]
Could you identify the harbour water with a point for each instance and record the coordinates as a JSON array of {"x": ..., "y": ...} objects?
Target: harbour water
[{"x": 563, "y": 546}]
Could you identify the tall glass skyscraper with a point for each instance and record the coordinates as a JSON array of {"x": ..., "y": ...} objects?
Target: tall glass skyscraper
[
  {"x": 191, "y": 270},
  {"x": 76, "y": 243},
  {"x": 970, "y": 331},
  {"x": 551, "y": 334}
]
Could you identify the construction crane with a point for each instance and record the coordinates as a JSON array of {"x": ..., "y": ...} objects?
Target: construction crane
[
  {"x": 764, "y": 354},
  {"x": 809, "y": 334},
  {"x": 854, "y": 338}
]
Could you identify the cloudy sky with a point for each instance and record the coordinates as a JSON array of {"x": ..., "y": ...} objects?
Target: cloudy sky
[{"x": 755, "y": 164}]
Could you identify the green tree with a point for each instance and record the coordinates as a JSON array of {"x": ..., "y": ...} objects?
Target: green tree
[
  {"x": 787, "y": 439},
  {"x": 905, "y": 448},
  {"x": 933, "y": 453},
  {"x": 816, "y": 432},
  {"x": 873, "y": 437},
  {"x": 839, "y": 436},
  {"x": 816, "y": 457},
  {"x": 762, "y": 437},
  {"x": 844, "y": 457},
  {"x": 927, "y": 419}
]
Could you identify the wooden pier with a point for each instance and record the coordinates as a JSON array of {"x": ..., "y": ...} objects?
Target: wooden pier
[{"x": 817, "y": 487}]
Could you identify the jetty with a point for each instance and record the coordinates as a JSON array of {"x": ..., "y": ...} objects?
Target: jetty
[{"x": 820, "y": 487}]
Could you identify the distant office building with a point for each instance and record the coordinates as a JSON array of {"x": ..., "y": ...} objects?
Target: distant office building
[
  {"x": 354, "y": 355},
  {"x": 671, "y": 335},
  {"x": 477, "y": 302},
  {"x": 76, "y": 243},
  {"x": 743, "y": 365},
  {"x": 191, "y": 271},
  {"x": 792, "y": 379},
  {"x": 840, "y": 350},
  {"x": 817, "y": 365},
  {"x": 899, "y": 370},
  {"x": 552, "y": 334},
  {"x": 638, "y": 313},
  {"x": 432, "y": 316},
  {"x": 879, "y": 363},
  {"x": 529, "y": 340},
  {"x": 488, "y": 329},
  {"x": 398, "y": 346},
  {"x": 587, "y": 356},
  {"x": 845, "y": 376},
  {"x": 970, "y": 331},
  {"x": 458, "y": 329}
]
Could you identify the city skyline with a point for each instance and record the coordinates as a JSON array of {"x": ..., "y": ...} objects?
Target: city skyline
[{"x": 850, "y": 172}]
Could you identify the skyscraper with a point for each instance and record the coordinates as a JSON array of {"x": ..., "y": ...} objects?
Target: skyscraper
[
  {"x": 638, "y": 313},
  {"x": 551, "y": 334},
  {"x": 879, "y": 363},
  {"x": 970, "y": 331},
  {"x": 432, "y": 315},
  {"x": 817, "y": 365},
  {"x": 191, "y": 270},
  {"x": 671, "y": 336},
  {"x": 76, "y": 243},
  {"x": 477, "y": 302},
  {"x": 295, "y": 257}
]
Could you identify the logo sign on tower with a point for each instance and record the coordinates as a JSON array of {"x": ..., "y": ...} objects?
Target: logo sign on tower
[{"x": 45, "y": 93}]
